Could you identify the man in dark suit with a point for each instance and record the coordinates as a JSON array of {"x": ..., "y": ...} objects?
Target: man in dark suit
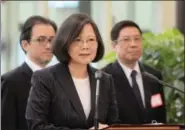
[
  {"x": 140, "y": 99},
  {"x": 35, "y": 40}
]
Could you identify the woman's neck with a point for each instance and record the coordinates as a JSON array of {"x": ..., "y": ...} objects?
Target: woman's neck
[{"x": 78, "y": 70}]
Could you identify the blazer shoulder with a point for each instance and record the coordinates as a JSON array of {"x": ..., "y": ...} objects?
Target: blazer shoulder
[
  {"x": 106, "y": 78},
  {"x": 11, "y": 80},
  {"x": 108, "y": 68},
  {"x": 47, "y": 74},
  {"x": 43, "y": 79},
  {"x": 12, "y": 75},
  {"x": 46, "y": 71},
  {"x": 152, "y": 70},
  {"x": 103, "y": 73},
  {"x": 106, "y": 75}
]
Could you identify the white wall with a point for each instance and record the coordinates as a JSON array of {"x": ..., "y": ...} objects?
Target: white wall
[
  {"x": 144, "y": 14},
  {"x": 154, "y": 15}
]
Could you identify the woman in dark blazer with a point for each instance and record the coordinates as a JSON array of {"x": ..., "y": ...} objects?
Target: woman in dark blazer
[{"x": 63, "y": 96}]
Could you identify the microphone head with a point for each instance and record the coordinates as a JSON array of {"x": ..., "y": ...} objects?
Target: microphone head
[{"x": 98, "y": 74}]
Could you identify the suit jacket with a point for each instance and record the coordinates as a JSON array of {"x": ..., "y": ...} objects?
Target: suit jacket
[
  {"x": 54, "y": 103},
  {"x": 15, "y": 86},
  {"x": 130, "y": 111}
]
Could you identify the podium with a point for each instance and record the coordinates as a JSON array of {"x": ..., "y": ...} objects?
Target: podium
[{"x": 144, "y": 127}]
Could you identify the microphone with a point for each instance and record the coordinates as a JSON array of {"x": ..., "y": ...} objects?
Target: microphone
[
  {"x": 161, "y": 82},
  {"x": 98, "y": 75},
  {"x": 164, "y": 83}
]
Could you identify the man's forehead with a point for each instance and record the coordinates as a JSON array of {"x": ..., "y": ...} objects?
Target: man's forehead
[
  {"x": 126, "y": 33},
  {"x": 42, "y": 27},
  {"x": 43, "y": 30},
  {"x": 41, "y": 35},
  {"x": 129, "y": 30},
  {"x": 130, "y": 35}
]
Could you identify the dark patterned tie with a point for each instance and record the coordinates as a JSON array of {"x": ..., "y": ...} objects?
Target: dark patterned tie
[{"x": 136, "y": 89}]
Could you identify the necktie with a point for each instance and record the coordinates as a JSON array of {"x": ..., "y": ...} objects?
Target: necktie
[{"x": 136, "y": 89}]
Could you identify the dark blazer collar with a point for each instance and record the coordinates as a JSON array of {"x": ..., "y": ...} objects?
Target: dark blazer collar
[
  {"x": 146, "y": 84},
  {"x": 117, "y": 64},
  {"x": 26, "y": 70},
  {"x": 64, "y": 78},
  {"x": 117, "y": 69},
  {"x": 91, "y": 72},
  {"x": 141, "y": 66}
]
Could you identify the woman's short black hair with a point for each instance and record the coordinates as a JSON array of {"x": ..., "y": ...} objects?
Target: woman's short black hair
[
  {"x": 120, "y": 25},
  {"x": 69, "y": 31},
  {"x": 26, "y": 30}
]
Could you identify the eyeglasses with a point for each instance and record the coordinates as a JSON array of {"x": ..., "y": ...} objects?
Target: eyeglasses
[
  {"x": 42, "y": 40},
  {"x": 127, "y": 40},
  {"x": 89, "y": 41}
]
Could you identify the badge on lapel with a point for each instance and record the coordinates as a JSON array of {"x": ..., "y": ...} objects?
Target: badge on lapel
[{"x": 156, "y": 100}]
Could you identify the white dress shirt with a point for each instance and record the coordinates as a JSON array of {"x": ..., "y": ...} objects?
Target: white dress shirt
[
  {"x": 84, "y": 93},
  {"x": 139, "y": 79}
]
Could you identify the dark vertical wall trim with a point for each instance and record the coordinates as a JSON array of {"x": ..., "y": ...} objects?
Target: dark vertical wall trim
[
  {"x": 85, "y": 7},
  {"x": 181, "y": 16}
]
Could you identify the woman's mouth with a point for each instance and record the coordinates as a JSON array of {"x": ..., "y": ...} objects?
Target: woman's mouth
[{"x": 84, "y": 54}]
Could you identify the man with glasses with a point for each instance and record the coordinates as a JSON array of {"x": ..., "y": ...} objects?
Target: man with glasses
[
  {"x": 36, "y": 37},
  {"x": 140, "y": 98}
]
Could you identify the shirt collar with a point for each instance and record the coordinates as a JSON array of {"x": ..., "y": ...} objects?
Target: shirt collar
[
  {"x": 128, "y": 71},
  {"x": 34, "y": 67}
]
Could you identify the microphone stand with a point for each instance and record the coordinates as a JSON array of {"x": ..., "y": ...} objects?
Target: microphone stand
[
  {"x": 162, "y": 82},
  {"x": 166, "y": 84},
  {"x": 97, "y": 76}
]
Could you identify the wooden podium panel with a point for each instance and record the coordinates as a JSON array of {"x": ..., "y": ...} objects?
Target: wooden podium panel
[{"x": 143, "y": 127}]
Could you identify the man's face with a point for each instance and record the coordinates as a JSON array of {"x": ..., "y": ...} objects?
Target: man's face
[
  {"x": 129, "y": 45},
  {"x": 38, "y": 48}
]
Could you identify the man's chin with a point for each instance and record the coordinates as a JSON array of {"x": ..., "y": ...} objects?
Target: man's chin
[
  {"x": 46, "y": 61},
  {"x": 131, "y": 61}
]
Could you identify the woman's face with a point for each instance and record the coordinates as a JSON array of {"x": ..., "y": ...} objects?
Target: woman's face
[{"x": 84, "y": 48}]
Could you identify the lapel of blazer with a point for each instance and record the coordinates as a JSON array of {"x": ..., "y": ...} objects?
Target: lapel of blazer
[
  {"x": 92, "y": 79},
  {"x": 126, "y": 86},
  {"x": 119, "y": 71},
  {"x": 64, "y": 78},
  {"x": 26, "y": 70}
]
